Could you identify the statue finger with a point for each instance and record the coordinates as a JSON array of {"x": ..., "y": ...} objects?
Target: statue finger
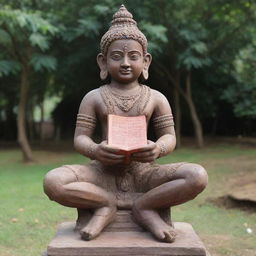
[
  {"x": 113, "y": 156},
  {"x": 143, "y": 154},
  {"x": 110, "y": 149},
  {"x": 148, "y": 147}
]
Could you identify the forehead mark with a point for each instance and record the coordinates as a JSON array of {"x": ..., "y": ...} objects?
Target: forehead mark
[{"x": 125, "y": 47}]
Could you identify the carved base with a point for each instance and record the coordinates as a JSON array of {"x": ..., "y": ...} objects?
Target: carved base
[{"x": 124, "y": 237}]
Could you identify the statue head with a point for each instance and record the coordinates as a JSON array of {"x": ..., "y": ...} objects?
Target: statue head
[{"x": 125, "y": 35}]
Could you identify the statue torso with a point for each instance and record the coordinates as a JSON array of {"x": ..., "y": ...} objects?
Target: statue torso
[{"x": 123, "y": 105}]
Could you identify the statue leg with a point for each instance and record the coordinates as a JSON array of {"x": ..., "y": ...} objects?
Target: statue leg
[
  {"x": 66, "y": 187},
  {"x": 166, "y": 189}
]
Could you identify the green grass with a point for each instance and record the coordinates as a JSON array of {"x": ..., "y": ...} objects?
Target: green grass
[{"x": 28, "y": 218}]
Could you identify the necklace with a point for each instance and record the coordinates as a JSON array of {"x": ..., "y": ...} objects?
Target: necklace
[{"x": 125, "y": 102}]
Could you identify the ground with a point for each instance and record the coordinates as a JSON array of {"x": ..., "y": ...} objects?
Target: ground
[{"x": 28, "y": 219}]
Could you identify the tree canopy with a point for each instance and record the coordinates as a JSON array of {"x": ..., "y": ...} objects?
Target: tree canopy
[{"x": 204, "y": 57}]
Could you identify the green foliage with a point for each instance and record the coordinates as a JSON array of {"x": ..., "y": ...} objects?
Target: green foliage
[
  {"x": 4, "y": 37},
  {"x": 242, "y": 94},
  {"x": 88, "y": 27},
  {"x": 9, "y": 67},
  {"x": 101, "y": 9},
  {"x": 26, "y": 33},
  {"x": 156, "y": 34},
  {"x": 43, "y": 62},
  {"x": 30, "y": 21},
  {"x": 207, "y": 38},
  {"x": 243, "y": 98},
  {"x": 39, "y": 40}
]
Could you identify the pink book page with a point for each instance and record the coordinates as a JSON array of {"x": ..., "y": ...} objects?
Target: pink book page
[{"x": 127, "y": 133}]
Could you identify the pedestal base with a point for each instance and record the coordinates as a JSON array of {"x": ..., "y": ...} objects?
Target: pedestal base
[{"x": 135, "y": 243}]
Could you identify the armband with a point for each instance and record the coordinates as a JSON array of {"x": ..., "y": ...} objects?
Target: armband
[
  {"x": 85, "y": 121},
  {"x": 163, "y": 121}
]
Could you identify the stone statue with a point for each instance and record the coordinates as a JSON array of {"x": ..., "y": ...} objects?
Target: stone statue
[{"x": 107, "y": 183}]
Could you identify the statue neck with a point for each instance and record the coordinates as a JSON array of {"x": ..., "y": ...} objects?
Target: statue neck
[{"x": 124, "y": 87}]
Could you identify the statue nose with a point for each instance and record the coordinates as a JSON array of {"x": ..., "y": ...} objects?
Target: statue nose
[{"x": 125, "y": 62}]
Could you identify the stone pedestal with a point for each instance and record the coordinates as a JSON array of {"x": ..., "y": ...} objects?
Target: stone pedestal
[{"x": 125, "y": 238}]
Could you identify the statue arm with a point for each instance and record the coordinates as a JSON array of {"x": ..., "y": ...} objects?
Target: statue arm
[
  {"x": 85, "y": 126},
  {"x": 163, "y": 125}
]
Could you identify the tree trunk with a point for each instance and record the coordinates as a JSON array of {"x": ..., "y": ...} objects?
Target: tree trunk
[
  {"x": 188, "y": 98},
  {"x": 21, "y": 121},
  {"x": 41, "y": 120},
  {"x": 177, "y": 110},
  {"x": 31, "y": 128},
  {"x": 194, "y": 116}
]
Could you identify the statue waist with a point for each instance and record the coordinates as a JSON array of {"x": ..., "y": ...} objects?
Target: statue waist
[{"x": 121, "y": 169}]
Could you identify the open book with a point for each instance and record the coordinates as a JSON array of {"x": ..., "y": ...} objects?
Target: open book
[{"x": 129, "y": 134}]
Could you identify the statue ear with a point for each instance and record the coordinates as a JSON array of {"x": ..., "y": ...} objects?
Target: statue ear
[
  {"x": 147, "y": 61},
  {"x": 101, "y": 60}
]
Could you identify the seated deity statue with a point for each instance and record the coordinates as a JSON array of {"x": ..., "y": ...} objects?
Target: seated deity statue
[{"x": 106, "y": 184}]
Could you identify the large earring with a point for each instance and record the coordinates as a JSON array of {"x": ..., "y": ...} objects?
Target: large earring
[
  {"x": 145, "y": 74},
  {"x": 103, "y": 74}
]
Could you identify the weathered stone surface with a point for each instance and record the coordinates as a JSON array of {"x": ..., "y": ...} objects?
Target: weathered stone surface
[
  {"x": 123, "y": 222},
  {"x": 134, "y": 243},
  {"x": 132, "y": 182}
]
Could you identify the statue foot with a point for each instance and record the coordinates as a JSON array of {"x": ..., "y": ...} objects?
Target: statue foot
[
  {"x": 151, "y": 221},
  {"x": 100, "y": 219}
]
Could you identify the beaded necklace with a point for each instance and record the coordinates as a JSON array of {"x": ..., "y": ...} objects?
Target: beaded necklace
[{"x": 125, "y": 102}]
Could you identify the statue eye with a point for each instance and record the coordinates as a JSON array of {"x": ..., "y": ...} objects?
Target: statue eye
[
  {"x": 134, "y": 56},
  {"x": 116, "y": 56}
]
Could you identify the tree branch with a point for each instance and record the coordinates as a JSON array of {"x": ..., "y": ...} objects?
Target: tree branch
[{"x": 14, "y": 43}]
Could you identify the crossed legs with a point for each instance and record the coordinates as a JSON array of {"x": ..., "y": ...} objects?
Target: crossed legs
[
  {"x": 184, "y": 185},
  {"x": 62, "y": 186}
]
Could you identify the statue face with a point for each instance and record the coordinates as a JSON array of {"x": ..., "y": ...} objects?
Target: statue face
[{"x": 125, "y": 60}]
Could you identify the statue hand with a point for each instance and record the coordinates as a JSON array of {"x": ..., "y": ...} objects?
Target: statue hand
[
  {"x": 147, "y": 154},
  {"x": 108, "y": 155}
]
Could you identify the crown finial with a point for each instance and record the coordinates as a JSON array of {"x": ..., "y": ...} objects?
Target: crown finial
[{"x": 123, "y": 16}]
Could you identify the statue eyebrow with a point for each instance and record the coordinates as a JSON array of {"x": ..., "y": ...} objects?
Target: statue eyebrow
[
  {"x": 120, "y": 51},
  {"x": 116, "y": 51},
  {"x": 134, "y": 51}
]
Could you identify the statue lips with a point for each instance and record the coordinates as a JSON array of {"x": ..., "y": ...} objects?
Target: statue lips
[{"x": 125, "y": 71}]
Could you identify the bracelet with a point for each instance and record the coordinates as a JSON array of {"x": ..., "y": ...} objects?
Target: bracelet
[
  {"x": 91, "y": 151},
  {"x": 162, "y": 147}
]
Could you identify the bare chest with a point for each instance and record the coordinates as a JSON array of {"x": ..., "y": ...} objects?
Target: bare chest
[{"x": 124, "y": 105}]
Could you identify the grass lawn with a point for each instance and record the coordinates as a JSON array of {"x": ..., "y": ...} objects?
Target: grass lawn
[{"x": 28, "y": 219}]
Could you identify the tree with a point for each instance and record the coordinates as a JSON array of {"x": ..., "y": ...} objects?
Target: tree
[
  {"x": 242, "y": 93},
  {"x": 201, "y": 36},
  {"x": 25, "y": 37},
  {"x": 203, "y": 54},
  {"x": 183, "y": 51}
]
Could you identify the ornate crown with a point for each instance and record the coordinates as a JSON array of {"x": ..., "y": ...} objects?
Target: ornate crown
[{"x": 123, "y": 26}]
